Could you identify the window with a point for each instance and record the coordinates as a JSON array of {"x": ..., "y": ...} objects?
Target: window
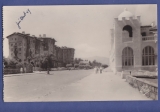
[
  {"x": 127, "y": 57},
  {"x": 129, "y": 29},
  {"x": 19, "y": 49},
  {"x": 148, "y": 57},
  {"x": 143, "y": 33}
]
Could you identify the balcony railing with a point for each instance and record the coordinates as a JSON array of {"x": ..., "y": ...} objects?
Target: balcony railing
[{"x": 146, "y": 38}]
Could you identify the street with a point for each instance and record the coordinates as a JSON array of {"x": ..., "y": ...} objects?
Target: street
[{"x": 74, "y": 85}]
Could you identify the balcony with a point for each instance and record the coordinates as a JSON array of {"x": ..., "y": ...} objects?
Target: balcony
[{"x": 149, "y": 38}]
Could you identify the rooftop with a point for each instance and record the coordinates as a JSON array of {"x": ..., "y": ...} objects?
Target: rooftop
[
  {"x": 125, "y": 14},
  {"x": 28, "y": 35}
]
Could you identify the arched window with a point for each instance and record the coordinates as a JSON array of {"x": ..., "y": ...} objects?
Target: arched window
[
  {"x": 148, "y": 57},
  {"x": 129, "y": 29},
  {"x": 127, "y": 57}
]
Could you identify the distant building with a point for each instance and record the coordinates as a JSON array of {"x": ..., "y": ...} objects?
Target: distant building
[
  {"x": 59, "y": 57},
  {"x": 68, "y": 55},
  {"x": 86, "y": 63},
  {"x": 25, "y": 48},
  {"x": 133, "y": 46}
]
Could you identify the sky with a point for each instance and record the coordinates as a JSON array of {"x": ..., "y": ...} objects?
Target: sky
[{"x": 83, "y": 27}]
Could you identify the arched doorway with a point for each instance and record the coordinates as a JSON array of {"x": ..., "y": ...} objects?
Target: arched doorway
[{"x": 127, "y": 57}]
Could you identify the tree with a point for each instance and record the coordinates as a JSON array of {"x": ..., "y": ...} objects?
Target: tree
[
  {"x": 94, "y": 63},
  {"x": 90, "y": 63},
  {"x": 48, "y": 62},
  {"x": 76, "y": 61},
  {"x": 79, "y": 59},
  {"x": 76, "y": 65},
  {"x": 104, "y": 65},
  {"x": 11, "y": 64},
  {"x": 5, "y": 62}
]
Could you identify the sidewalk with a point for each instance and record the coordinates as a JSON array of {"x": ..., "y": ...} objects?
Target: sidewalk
[{"x": 98, "y": 87}]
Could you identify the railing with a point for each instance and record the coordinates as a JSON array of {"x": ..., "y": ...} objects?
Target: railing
[{"x": 146, "y": 38}]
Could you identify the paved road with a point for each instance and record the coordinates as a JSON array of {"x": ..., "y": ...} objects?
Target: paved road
[{"x": 76, "y": 85}]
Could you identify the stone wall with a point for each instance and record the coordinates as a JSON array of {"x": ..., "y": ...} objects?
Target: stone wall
[{"x": 145, "y": 87}]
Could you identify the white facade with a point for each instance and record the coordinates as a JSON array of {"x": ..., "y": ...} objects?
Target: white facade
[{"x": 133, "y": 47}]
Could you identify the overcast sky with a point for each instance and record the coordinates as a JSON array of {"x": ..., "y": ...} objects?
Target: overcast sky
[{"x": 83, "y": 27}]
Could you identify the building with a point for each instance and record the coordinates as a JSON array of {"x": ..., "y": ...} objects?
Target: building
[
  {"x": 24, "y": 48},
  {"x": 59, "y": 56},
  {"x": 133, "y": 46},
  {"x": 68, "y": 55},
  {"x": 21, "y": 46},
  {"x": 84, "y": 64}
]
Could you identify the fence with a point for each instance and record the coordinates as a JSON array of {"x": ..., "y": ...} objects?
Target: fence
[
  {"x": 11, "y": 71},
  {"x": 146, "y": 38}
]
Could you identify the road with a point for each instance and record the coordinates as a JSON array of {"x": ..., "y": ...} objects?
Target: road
[{"x": 75, "y": 85}]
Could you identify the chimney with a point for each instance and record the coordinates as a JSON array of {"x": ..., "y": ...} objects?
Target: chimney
[
  {"x": 23, "y": 32},
  {"x": 44, "y": 35},
  {"x": 33, "y": 35},
  {"x": 40, "y": 36}
]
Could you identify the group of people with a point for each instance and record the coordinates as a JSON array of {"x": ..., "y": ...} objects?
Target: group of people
[{"x": 98, "y": 69}]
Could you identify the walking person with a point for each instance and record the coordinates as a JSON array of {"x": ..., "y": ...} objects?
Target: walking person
[
  {"x": 100, "y": 69},
  {"x": 95, "y": 69},
  {"x": 21, "y": 70}
]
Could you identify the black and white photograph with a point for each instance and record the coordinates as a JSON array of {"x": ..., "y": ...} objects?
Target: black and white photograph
[{"x": 64, "y": 53}]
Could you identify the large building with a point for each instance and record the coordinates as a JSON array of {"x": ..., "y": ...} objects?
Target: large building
[
  {"x": 133, "y": 46},
  {"x": 24, "y": 48}
]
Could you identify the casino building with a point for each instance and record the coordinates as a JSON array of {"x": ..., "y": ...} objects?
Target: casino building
[{"x": 133, "y": 46}]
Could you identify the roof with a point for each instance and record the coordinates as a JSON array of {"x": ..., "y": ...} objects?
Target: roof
[
  {"x": 47, "y": 38},
  {"x": 66, "y": 48},
  {"x": 125, "y": 14},
  {"x": 28, "y": 35},
  {"x": 17, "y": 33}
]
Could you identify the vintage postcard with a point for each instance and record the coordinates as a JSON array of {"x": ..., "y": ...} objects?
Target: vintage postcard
[{"x": 80, "y": 53}]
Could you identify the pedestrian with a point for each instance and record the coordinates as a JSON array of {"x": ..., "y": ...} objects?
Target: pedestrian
[
  {"x": 21, "y": 70},
  {"x": 100, "y": 69}
]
